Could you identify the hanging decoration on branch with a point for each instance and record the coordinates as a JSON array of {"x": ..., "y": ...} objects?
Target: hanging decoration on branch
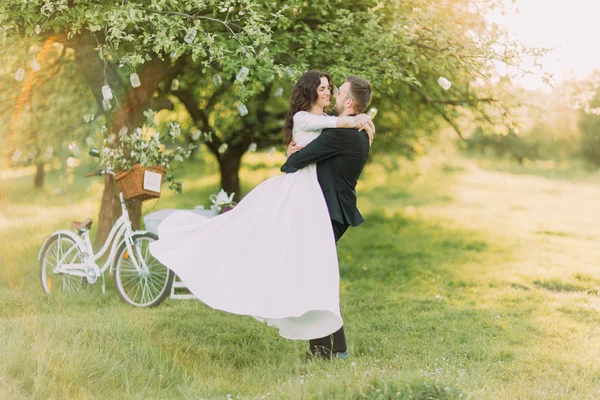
[
  {"x": 190, "y": 35},
  {"x": 135, "y": 80},
  {"x": 107, "y": 92},
  {"x": 444, "y": 83},
  {"x": 243, "y": 110},
  {"x": 242, "y": 74},
  {"x": 20, "y": 74},
  {"x": 35, "y": 66}
]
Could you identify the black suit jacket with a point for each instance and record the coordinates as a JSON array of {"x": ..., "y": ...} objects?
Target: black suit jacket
[{"x": 340, "y": 154}]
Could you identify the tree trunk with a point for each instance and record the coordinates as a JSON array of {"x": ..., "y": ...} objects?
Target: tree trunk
[
  {"x": 38, "y": 181},
  {"x": 131, "y": 105},
  {"x": 111, "y": 210},
  {"x": 229, "y": 164}
]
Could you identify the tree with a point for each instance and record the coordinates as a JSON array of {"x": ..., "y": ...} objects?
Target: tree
[
  {"x": 46, "y": 112},
  {"x": 113, "y": 40},
  {"x": 589, "y": 125},
  {"x": 402, "y": 47}
]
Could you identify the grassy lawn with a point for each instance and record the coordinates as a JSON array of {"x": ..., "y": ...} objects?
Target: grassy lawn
[{"x": 465, "y": 281}]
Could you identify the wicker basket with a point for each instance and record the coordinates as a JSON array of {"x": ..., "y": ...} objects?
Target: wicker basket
[{"x": 141, "y": 183}]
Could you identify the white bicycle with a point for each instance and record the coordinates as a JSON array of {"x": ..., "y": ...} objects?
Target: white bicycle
[{"x": 68, "y": 261}]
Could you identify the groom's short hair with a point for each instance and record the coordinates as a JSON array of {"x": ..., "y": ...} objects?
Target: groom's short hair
[{"x": 360, "y": 91}]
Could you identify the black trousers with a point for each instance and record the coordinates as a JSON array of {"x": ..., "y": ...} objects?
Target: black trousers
[{"x": 336, "y": 341}]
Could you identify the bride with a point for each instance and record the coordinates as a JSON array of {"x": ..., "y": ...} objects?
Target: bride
[{"x": 273, "y": 256}]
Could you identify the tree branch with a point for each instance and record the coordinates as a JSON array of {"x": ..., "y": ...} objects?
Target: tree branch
[{"x": 453, "y": 102}]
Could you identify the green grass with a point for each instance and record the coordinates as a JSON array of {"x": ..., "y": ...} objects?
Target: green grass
[{"x": 462, "y": 283}]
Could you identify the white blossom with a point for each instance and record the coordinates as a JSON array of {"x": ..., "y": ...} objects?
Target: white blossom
[{"x": 174, "y": 129}]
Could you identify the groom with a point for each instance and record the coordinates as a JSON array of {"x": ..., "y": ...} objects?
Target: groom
[{"x": 340, "y": 154}]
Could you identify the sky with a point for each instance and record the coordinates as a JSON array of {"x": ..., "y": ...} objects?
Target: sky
[{"x": 571, "y": 27}]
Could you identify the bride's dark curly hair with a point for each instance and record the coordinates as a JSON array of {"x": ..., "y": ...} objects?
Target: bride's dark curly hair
[{"x": 304, "y": 96}]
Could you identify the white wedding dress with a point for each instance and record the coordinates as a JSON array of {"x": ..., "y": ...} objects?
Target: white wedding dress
[{"x": 273, "y": 256}]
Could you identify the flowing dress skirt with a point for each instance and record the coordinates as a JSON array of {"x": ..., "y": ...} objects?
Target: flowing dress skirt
[{"x": 272, "y": 257}]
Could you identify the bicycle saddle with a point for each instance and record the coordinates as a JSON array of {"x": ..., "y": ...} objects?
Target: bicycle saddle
[{"x": 87, "y": 224}]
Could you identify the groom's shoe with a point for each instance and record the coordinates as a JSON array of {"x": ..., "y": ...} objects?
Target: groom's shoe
[{"x": 340, "y": 355}]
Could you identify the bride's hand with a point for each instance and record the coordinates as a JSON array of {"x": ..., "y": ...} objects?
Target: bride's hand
[
  {"x": 365, "y": 123},
  {"x": 292, "y": 148}
]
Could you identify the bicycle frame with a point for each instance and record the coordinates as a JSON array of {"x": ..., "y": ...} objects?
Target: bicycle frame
[{"x": 121, "y": 231}]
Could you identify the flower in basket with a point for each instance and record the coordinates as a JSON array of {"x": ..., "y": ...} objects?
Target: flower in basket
[
  {"x": 149, "y": 148},
  {"x": 222, "y": 203}
]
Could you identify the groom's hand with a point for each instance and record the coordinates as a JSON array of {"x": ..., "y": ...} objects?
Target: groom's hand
[{"x": 292, "y": 148}]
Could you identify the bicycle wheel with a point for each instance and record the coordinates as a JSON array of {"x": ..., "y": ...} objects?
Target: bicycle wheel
[
  {"x": 139, "y": 289},
  {"x": 57, "y": 247}
]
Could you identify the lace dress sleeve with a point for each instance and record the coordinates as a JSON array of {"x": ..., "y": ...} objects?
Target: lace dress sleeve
[{"x": 310, "y": 122}]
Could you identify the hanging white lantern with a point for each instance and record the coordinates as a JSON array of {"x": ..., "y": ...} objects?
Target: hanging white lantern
[
  {"x": 444, "y": 83},
  {"x": 107, "y": 92},
  {"x": 278, "y": 92},
  {"x": 71, "y": 162},
  {"x": 74, "y": 148},
  {"x": 175, "y": 84},
  {"x": 372, "y": 112},
  {"x": 17, "y": 155},
  {"x": 35, "y": 66},
  {"x": 223, "y": 148},
  {"x": 252, "y": 148},
  {"x": 217, "y": 80},
  {"x": 242, "y": 74},
  {"x": 20, "y": 74},
  {"x": 243, "y": 110},
  {"x": 196, "y": 133},
  {"x": 49, "y": 151},
  {"x": 135, "y": 80},
  {"x": 190, "y": 35}
]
